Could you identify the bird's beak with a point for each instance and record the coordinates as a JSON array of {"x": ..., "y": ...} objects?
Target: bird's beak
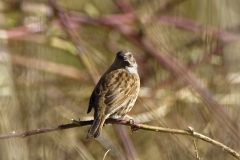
[{"x": 122, "y": 57}]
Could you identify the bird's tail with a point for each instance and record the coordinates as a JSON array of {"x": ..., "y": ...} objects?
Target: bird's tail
[{"x": 96, "y": 127}]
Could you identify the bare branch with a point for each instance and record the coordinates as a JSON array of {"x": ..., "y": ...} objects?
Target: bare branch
[{"x": 134, "y": 126}]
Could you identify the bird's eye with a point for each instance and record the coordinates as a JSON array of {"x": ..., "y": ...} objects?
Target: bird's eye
[{"x": 119, "y": 54}]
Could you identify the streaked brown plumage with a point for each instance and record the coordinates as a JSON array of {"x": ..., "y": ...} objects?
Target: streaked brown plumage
[{"x": 115, "y": 93}]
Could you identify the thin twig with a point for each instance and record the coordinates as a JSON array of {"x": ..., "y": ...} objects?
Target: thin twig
[
  {"x": 134, "y": 126},
  {"x": 195, "y": 148},
  {"x": 106, "y": 154}
]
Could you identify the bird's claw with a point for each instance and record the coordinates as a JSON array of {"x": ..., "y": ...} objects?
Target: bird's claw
[{"x": 75, "y": 121}]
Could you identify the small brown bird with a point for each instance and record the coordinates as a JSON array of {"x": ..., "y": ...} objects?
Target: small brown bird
[{"x": 115, "y": 93}]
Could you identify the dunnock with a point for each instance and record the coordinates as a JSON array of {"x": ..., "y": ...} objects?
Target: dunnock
[{"x": 115, "y": 93}]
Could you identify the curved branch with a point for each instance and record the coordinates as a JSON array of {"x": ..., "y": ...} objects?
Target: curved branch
[{"x": 134, "y": 126}]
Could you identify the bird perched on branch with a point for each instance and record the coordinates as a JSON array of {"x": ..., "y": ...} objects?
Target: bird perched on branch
[{"x": 115, "y": 93}]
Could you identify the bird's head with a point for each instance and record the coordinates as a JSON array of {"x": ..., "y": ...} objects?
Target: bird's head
[{"x": 125, "y": 59}]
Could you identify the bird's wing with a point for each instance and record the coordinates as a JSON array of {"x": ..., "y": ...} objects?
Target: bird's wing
[
  {"x": 96, "y": 94},
  {"x": 115, "y": 89},
  {"x": 121, "y": 88}
]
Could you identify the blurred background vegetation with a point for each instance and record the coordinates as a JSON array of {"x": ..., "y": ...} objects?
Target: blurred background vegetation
[{"x": 53, "y": 53}]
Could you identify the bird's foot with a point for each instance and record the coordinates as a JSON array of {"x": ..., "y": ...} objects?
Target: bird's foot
[{"x": 77, "y": 122}]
